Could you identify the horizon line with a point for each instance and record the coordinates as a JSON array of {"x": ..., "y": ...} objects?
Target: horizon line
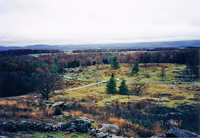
[{"x": 102, "y": 43}]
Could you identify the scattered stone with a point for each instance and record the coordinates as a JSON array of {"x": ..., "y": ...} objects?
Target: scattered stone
[
  {"x": 67, "y": 132},
  {"x": 161, "y": 100},
  {"x": 94, "y": 101},
  {"x": 117, "y": 79},
  {"x": 75, "y": 135},
  {"x": 71, "y": 103}
]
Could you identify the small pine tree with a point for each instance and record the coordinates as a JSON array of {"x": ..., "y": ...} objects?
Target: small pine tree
[
  {"x": 94, "y": 63},
  {"x": 114, "y": 63},
  {"x": 111, "y": 86},
  {"x": 58, "y": 111},
  {"x": 88, "y": 63},
  {"x": 123, "y": 88},
  {"x": 112, "y": 75},
  {"x": 56, "y": 61},
  {"x": 135, "y": 69}
]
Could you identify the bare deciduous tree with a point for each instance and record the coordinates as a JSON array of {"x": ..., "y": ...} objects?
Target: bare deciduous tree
[
  {"x": 138, "y": 88},
  {"x": 47, "y": 82},
  {"x": 163, "y": 74}
]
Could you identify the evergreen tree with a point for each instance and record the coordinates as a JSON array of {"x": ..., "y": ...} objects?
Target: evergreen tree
[
  {"x": 135, "y": 69},
  {"x": 105, "y": 61},
  {"x": 111, "y": 86},
  {"x": 54, "y": 68},
  {"x": 114, "y": 63},
  {"x": 56, "y": 61},
  {"x": 123, "y": 88},
  {"x": 94, "y": 62},
  {"x": 88, "y": 63},
  {"x": 112, "y": 75},
  {"x": 43, "y": 65}
]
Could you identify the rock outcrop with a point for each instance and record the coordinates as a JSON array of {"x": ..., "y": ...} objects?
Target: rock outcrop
[
  {"x": 82, "y": 124},
  {"x": 176, "y": 132}
]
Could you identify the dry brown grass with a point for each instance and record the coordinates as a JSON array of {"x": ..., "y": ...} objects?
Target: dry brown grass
[
  {"x": 134, "y": 130},
  {"x": 7, "y": 105},
  {"x": 22, "y": 106},
  {"x": 158, "y": 130},
  {"x": 77, "y": 113},
  {"x": 37, "y": 115},
  {"x": 93, "y": 97},
  {"x": 81, "y": 114},
  {"x": 117, "y": 121},
  {"x": 177, "y": 97},
  {"x": 40, "y": 113}
]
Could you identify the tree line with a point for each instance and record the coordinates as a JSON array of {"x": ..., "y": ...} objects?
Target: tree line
[
  {"x": 19, "y": 52},
  {"x": 127, "y": 49},
  {"x": 17, "y": 72}
]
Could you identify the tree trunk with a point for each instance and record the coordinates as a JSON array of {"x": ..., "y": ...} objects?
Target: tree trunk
[
  {"x": 128, "y": 102},
  {"x": 47, "y": 97},
  {"x": 43, "y": 96}
]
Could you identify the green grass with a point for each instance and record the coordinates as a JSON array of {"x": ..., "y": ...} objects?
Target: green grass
[
  {"x": 39, "y": 54},
  {"x": 57, "y": 135},
  {"x": 154, "y": 87},
  {"x": 124, "y": 70}
]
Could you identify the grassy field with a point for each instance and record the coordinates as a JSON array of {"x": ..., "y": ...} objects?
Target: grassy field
[
  {"x": 154, "y": 91},
  {"x": 41, "y": 54},
  {"x": 124, "y": 71}
]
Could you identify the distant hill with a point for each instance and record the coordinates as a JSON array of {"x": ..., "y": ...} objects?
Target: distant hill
[{"x": 178, "y": 44}]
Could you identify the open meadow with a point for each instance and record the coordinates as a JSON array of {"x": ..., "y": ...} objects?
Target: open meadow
[{"x": 142, "y": 115}]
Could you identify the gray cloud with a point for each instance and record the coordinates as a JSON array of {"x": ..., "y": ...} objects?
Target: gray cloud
[{"x": 25, "y": 22}]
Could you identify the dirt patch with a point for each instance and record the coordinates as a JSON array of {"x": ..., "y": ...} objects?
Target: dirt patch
[
  {"x": 159, "y": 95},
  {"x": 177, "y": 97}
]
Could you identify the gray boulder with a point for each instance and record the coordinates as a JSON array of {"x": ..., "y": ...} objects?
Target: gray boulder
[
  {"x": 83, "y": 124},
  {"x": 58, "y": 104},
  {"x": 107, "y": 135},
  {"x": 102, "y": 135},
  {"x": 109, "y": 128},
  {"x": 176, "y": 132}
]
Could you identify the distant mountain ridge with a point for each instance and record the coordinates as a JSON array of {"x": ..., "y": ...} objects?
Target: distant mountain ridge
[{"x": 178, "y": 44}]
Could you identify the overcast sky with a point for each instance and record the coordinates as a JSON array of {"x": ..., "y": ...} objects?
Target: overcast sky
[{"x": 28, "y": 22}]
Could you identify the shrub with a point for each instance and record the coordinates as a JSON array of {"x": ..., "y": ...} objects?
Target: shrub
[
  {"x": 57, "y": 111},
  {"x": 138, "y": 105}
]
